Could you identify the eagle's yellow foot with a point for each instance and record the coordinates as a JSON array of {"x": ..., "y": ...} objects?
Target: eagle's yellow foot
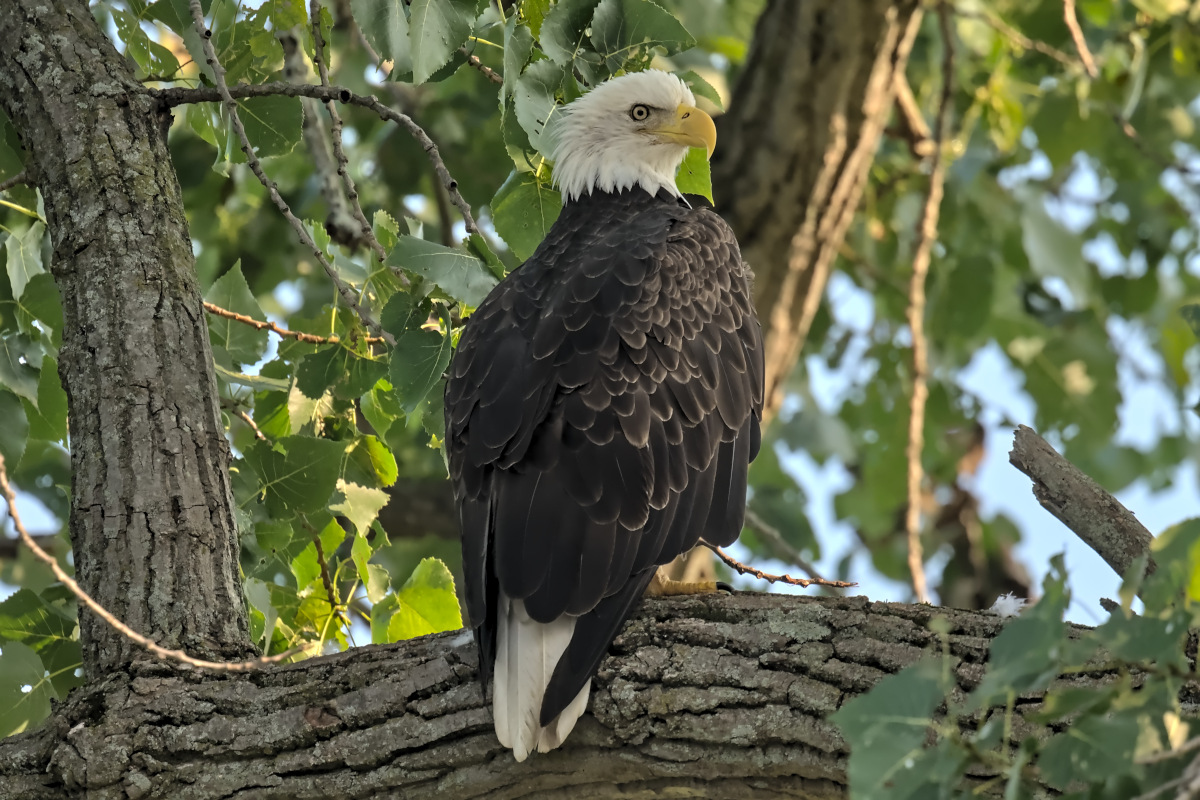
[{"x": 662, "y": 586}]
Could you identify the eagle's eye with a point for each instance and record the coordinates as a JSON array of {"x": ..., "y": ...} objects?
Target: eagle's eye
[{"x": 639, "y": 112}]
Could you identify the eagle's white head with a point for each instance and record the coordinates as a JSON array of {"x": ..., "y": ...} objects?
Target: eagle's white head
[{"x": 631, "y": 130}]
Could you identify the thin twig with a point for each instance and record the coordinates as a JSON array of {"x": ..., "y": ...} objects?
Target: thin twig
[
  {"x": 745, "y": 569},
  {"x": 921, "y": 140},
  {"x": 927, "y": 233},
  {"x": 1085, "y": 55},
  {"x": 252, "y": 161},
  {"x": 10, "y": 500},
  {"x": 340, "y": 224},
  {"x": 20, "y": 178},
  {"x": 339, "y": 152},
  {"x": 1019, "y": 39},
  {"x": 178, "y": 95},
  {"x": 474, "y": 61},
  {"x": 271, "y": 326},
  {"x": 1167, "y": 755},
  {"x": 325, "y": 578},
  {"x": 775, "y": 541},
  {"x": 246, "y": 418}
]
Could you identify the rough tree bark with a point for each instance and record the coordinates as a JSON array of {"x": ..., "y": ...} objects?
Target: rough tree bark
[
  {"x": 151, "y": 507},
  {"x": 722, "y": 697},
  {"x": 796, "y": 145}
]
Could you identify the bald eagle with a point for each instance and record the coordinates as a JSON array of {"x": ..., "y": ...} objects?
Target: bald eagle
[{"x": 602, "y": 407}]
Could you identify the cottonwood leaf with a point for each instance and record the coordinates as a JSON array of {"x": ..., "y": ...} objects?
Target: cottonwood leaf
[
  {"x": 1053, "y": 251},
  {"x": 16, "y": 374},
  {"x": 694, "y": 176},
  {"x": 701, "y": 88},
  {"x": 359, "y": 504},
  {"x": 25, "y": 691},
  {"x": 24, "y": 251},
  {"x": 244, "y": 343},
  {"x": 273, "y": 125},
  {"x": 457, "y": 273},
  {"x": 373, "y": 576},
  {"x": 564, "y": 30},
  {"x": 535, "y": 101},
  {"x": 523, "y": 212},
  {"x": 385, "y": 24},
  {"x": 418, "y": 361},
  {"x": 427, "y": 603},
  {"x": 48, "y": 419},
  {"x": 14, "y": 431},
  {"x": 887, "y": 726},
  {"x": 337, "y": 367},
  {"x": 628, "y": 30},
  {"x": 437, "y": 28},
  {"x": 296, "y": 474}
]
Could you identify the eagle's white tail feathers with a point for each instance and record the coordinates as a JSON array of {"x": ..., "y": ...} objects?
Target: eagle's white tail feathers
[{"x": 526, "y": 654}]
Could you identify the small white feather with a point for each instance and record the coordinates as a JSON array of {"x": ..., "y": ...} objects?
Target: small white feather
[
  {"x": 526, "y": 654},
  {"x": 1007, "y": 605}
]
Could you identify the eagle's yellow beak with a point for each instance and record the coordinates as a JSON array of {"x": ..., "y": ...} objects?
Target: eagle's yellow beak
[{"x": 691, "y": 127}]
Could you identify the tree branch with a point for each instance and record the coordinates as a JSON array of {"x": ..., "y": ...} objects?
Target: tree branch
[
  {"x": 252, "y": 161},
  {"x": 716, "y": 695},
  {"x": 176, "y": 96},
  {"x": 1094, "y": 515},
  {"x": 271, "y": 326},
  {"x": 100, "y": 611},
  {"x": 1081, "y": 46},
  {"x": 20, "y": 178},
  {"x": 927, "y": 234}
]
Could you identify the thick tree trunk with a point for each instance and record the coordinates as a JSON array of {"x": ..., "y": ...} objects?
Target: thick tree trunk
[
  {"x": 151, "y": 507},
  {"x": 701, "y": 697},
  {"x": 796, "y": 145}
]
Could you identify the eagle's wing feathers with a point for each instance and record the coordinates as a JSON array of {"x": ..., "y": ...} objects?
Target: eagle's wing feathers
[{"x": 601, "y": 412}]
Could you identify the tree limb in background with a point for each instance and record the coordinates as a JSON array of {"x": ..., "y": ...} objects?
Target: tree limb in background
[
  {"x": 252, "y": 161},
  {"x": 10, "y": 500},
  {"x": 177, "y": 96},
  {"x": 340, "y": 224},
  {"x": 927, "y": 234},
  {"x": 1081, "y": 46},
  {"x": 339, "y": 152},
  {"x": 1094, "y": 515}
]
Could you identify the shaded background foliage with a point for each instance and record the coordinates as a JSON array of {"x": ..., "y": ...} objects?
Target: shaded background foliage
[{"x": 1067, "y": 245}]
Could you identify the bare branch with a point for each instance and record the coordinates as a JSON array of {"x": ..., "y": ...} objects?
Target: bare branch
[
  {"x": 180, "y": 96},
  {"x": 744, "y": 569},
  {"x": 1094, "y": 515},
  {"x": 341, "y": 225},
  {"x": 774, "y": 540},
  {"x": 474, "y": 61},
  {"x": 1081, "y": 45},
  {"x": 927, "y": 233},
  {"x": 10, "y": 500},
  {"x": 241, "y": 414},
  {"x": 20, "y": 178},
  {"x": 339, "y": 151},
  {"x": 271, "y": 326},
  {"x": 252, "y": 161}
]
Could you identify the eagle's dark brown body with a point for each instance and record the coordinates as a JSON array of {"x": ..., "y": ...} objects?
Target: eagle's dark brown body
[{"x": 601, "y": 412}]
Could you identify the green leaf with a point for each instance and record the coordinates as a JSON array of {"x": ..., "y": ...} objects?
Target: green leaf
[
  {"x": 370, "y": 461},
  {"x": 518, "y": 47},
  {"x": 534, "y": 12},
  {"x": 404, "y": 312},
  {"x": 385, "y": 24},
  {"x": 459, "y": 274},
  {"x": 418, "y": 361},
  {"x": 359, "y": 504},
  {"x": 244, "y": 343},
  {"x": 625, "y": 31},
  {"x": 1145, "y": 639},
  {"x": 16, "y": 374},
  {"x": 701, "y": 88},
  {"x": 41, "y": 302},
  {"x": 27, "y": 618},
  {"x": 374, "y": 577},
  {"x": 48, "y": 419},
  {"x": 1054, "y": 251},
  {"x": 886, "y": 727},
  {"x": 14, "y": 432},
  {"x": 1094, "y": 748},
  {"x": 523, "y": 211},
  {"x": 1030, "y": 650},
  {"x": 1191, "y": 315},
  {"x": 297, "y": 474},
  {"x": 349, "y": 374},
  {"x": 564, "y": 30},
  {"x": 25, "y": 691},
  {"x": 24, "y": 257},
  {"x": 535, "y": 101},
  {"x": 11, "y": 162},
  {"x": 694, "y": 176},
  {"x": 273, "y": 125},
  {"x": 260, "y": 382},
  {"x": 438, "y": 28},
  {"x": 428, "y": 603},
  {"x": 285, "y": 13},
  {"x": 381, "y": 616}
]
